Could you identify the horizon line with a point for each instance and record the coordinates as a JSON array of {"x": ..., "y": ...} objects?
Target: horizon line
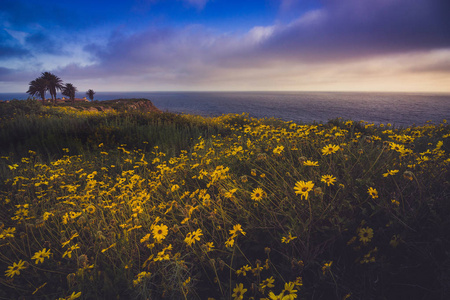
[{"x": 260, "y": 91}]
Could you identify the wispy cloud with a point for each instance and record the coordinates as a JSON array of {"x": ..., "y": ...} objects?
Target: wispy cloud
[
  {"x": 200, "y": 4},
  {"x": 10, "y": 47}
]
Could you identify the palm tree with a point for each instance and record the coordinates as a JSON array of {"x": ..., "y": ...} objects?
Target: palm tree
[
  {"x": 90, "y": 94},
  {"x": 54, "y": 83},
  {"x": 69, "y": 91},
  {"x": 38, "y": 87}
]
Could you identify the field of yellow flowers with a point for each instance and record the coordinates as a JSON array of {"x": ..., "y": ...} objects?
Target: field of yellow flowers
[{"x": 120, "y": 205}]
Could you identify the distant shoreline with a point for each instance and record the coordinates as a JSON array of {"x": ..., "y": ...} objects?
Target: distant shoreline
[
  {"x": 401, "y": 109},
  {"x": 23, "y": 96}
]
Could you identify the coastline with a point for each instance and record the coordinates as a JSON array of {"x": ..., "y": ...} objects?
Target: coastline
[{"x": 401, "y": 109}]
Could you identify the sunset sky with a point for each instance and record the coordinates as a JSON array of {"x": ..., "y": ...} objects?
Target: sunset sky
[{"x": 226, "y": 45}]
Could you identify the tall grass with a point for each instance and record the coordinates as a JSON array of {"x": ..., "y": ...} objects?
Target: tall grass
[
  {"x": 151, "y": 206},
  {"x": 47, "y": 130}
]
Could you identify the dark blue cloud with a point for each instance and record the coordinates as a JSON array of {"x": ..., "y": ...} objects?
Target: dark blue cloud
[
  {"x": 136, "y": 52},
  {"x": 23, "y": 14},
  {"x": 58, "y": 15},
  {"x": 355, "y": 28},
  {"x": 7, "y": 52},
  {"x": 44, "y": 43},
  {"x": 38, "y": 27},
  {"x": 9, "y": 47}
]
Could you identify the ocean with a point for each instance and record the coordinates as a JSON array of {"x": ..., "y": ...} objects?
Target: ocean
[{"x": 399, "y": 109}]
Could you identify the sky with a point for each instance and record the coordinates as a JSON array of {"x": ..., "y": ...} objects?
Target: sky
[{"x": 227, "y": 45}]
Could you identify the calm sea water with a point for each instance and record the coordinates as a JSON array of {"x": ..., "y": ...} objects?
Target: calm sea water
[{"x": 401, "y": 109}]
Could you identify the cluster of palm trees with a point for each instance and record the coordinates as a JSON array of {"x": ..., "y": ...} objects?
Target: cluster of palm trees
[{"x": 52, "y": 83}]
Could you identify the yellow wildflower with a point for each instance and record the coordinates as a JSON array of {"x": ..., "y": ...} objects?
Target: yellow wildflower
[
  {"x": 8, "y": 232},
  {"x": 257, "y": 194},
  {"x": 302, "y": 188},
  {"x": 208, "y": 246},
  {"x": 174, "y": 187},
  {"x": 243, "y": 270},
  {"x": 237, "y": 228},
  {"x": 278, "y": 150},
  {"x": 239, "y": 291},
  {"x": 193, "y": 236},
  {"x": 90, "y": 209},
  {"x": 92, "y": 175},
  {"x": 373, "y": 192},
  {"x": 330, "y": 149},
  {"x": 368, "y": 258},
  {"x": 47, "y": 215},
  {"x": 15, "y": 269},
  {"x": 397, "y": 147},
  {"x": 13, "y": 167},
  {"x": 74, "y": 215},
  {"x": 230, "y": 242},
  {"x": 390, "y": 172},
  {"x": 288, "y": 239},
  {"x": 310, "y": 163},
  {"x": 326, "y": 267},
  {"x": 289, "y": 293},
  {"x": 365, "y": 234},
  {"x": 41, "y": 255},
  {"x": 74, "y": 296},
  {"x": 68, "y": 252},
  {"x": 267, "y": 283},
  {"x": 230, "y": 193},
  {"x": 160, "y": 232},
  {"x": 328, "y": 179}
]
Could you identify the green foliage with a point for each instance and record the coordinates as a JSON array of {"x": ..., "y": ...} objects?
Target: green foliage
[
  {"x": 38, "y": 87},
  {"x": 19, "y": 108},
  {"x": 69, "y": 90},
  {"x": 90, "y": 93},
  {"x": 153, "y": 205},
  {"x": 26, "y": 126},
  {"x": 53, "y": 84}
]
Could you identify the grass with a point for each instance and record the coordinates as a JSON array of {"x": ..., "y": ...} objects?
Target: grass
[{"x": 124, "y": 204}]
